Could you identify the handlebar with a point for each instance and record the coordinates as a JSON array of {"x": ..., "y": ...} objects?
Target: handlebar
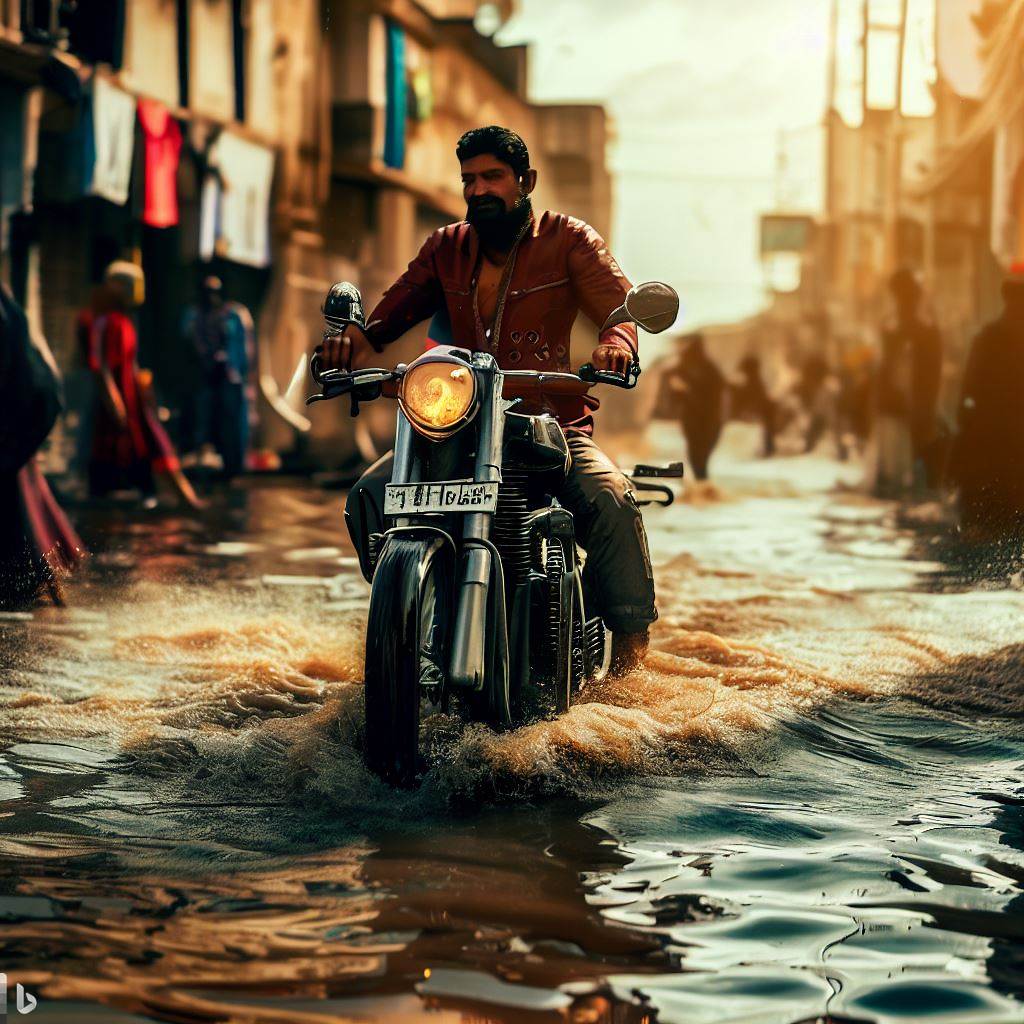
[{"x": 369, "y": 384}]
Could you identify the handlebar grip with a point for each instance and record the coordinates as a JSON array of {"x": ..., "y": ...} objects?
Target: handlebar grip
[{"x": 589, "y": 373}]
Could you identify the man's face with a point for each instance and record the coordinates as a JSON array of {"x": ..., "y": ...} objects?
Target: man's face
[{"x": 490, "y": 187}]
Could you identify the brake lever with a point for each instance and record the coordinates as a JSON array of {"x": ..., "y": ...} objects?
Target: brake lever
[
  {"x": 591, "y": 375},
  {"x": 328, "y": 392},
  {"x": 335, "y": 383},
  {"x": 314, "y": 367}
]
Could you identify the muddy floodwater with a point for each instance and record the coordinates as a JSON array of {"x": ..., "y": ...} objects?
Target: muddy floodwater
[{"x": 809, "y": 804}]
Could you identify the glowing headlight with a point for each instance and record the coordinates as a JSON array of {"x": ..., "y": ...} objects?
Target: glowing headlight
[{"x": 438, "y": 396}]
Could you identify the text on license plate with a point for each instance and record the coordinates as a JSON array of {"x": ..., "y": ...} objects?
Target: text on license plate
[{"x": 442, "y": 496}]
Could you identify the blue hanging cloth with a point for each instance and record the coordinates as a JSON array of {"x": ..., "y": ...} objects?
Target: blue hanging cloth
[{"x": 395, "y": 113}]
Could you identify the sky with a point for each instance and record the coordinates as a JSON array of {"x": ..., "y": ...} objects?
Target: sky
[{"x": 703, "y": 94}]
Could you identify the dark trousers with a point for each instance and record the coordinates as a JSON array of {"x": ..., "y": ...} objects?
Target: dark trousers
[
  {"x": 219, "y": 415},
  {"x": 618, "y": 579}
]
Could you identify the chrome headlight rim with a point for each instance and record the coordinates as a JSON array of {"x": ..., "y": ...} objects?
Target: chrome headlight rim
[{"x": 431, "y": 431}]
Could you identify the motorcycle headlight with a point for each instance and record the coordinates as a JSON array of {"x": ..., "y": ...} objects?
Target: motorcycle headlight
[{"x": 438, "y": 396}]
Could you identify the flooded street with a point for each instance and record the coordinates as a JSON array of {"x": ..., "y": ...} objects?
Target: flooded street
[{"x": 810, "y": 803}]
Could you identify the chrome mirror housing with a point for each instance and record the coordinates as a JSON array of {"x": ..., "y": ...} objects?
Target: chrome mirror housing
[{"x": 652, "y": 305}]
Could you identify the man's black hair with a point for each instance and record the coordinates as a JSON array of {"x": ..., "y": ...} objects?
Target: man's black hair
[{"x": 494, "y": 140}]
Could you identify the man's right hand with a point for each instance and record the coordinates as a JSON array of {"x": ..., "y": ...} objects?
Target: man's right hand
[{"x": 340, "y": 351}]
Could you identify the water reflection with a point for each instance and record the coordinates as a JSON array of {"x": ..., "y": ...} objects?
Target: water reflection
[{"x": 808, "y": 804}]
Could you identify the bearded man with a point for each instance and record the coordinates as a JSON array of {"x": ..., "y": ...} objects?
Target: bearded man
[{"x": 512, "y": 283}]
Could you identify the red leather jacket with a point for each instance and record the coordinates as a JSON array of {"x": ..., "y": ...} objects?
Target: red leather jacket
[{"x": 559, "y": 267}]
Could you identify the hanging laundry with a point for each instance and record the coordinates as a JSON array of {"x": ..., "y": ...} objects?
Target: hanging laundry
[
  {"x": 193, "y": 170},
  {"x": 246, "y": 173},
  {"x": 210, "y": 218},
  {"x": 113, "y": 113},
  {"x": 11, "y": 156},
  {"x": 163, "y": 150},
  {"x": 421, "y": 91},
  {"x": 67, "y": 158},
  {"x": 396, "y": 108}
]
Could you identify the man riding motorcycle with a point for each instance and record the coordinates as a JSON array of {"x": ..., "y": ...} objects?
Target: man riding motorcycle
[{"x": 513, "y": 284}]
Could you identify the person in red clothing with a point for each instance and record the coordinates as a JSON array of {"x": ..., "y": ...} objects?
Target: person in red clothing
[
  {"x": 129, "y": 443},
  {"x": 512, "y": 284}
]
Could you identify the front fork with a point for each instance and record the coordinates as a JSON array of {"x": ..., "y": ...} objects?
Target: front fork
[
  {"x": 479, "y": 596},
  {"x": 482, "y": 581}
]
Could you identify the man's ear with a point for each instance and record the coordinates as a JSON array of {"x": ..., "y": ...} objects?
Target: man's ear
[{"x": 528, "y": 181}]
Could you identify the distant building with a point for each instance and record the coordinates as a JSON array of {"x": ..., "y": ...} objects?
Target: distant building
[{"x": 915, "y": 187}]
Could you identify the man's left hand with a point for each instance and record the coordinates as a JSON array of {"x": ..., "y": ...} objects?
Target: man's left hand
[{"x": 612, "y": 359}]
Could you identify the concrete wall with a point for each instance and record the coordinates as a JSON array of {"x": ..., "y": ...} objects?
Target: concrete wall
[
  {"x": 264, "y": 60},
  {"x": 211, "y": 63},
  {"x": 151, "y": 50}
]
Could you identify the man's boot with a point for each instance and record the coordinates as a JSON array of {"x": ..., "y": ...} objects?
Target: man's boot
[{"x": 628, "y": 652}]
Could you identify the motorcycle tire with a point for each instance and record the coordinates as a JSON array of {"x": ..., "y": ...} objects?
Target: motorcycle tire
[{"x": 407, "y": 591}]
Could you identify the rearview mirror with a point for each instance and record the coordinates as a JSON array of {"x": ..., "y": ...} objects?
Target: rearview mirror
[{"x": 653, "y": 306}]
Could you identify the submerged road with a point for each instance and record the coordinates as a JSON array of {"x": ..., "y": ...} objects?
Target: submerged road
[{"x": 809, "y": 803}]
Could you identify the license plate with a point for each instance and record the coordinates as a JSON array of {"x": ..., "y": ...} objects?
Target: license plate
[{"x": 441, "y": 496}]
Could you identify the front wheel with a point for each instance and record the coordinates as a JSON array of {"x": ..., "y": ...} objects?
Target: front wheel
[{"x": 403, "y": 651}]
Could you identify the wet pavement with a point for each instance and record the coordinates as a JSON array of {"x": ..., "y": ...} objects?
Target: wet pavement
[{"x": 810, "y": 803}]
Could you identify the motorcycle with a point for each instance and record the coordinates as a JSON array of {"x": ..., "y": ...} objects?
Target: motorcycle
[{"x": 476, "y": 582}]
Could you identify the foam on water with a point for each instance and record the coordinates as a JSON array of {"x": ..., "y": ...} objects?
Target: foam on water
[{"x": 243, "y": 691}]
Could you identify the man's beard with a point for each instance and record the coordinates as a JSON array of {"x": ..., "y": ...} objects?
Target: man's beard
[{"x": 498, "y": 227}]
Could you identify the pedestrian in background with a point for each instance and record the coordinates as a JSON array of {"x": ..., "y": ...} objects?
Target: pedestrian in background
[
  {"x": 749, "y": 400},
  {"x": 129, "y": 442},
  {"x": 909, "y": 371},
  {"x": 699, "y": 389},
  {"x": 989, "y": 452},
  {"x": 855, "y": 400},
  {"x": 80, "y": 384},
  {"x": 38, "y": 546},
  {"x": 220, "y": 337},
  {"x": 816, "y": 398}
]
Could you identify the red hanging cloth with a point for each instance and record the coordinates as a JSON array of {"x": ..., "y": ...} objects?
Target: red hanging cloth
[{"x": 163, "y": 148}]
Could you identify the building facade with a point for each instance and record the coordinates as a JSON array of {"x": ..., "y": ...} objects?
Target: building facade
[{"x": 302, "y": 141}]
